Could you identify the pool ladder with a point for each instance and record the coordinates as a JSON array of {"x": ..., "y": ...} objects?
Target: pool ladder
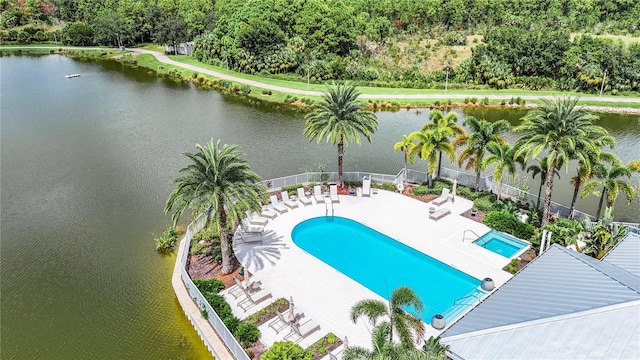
[
  {"x": 464, "y": 234},
  {"x": 326, "y": 207}
]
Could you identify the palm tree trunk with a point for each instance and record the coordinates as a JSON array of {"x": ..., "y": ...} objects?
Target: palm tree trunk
[
  {"x": 439, "y": 164},
  {"x": 576, "y": 189},
  {"x": 340, "y": 154},
  {"x": 227, "y": 263},
  {"x": 547, "y": 194},
  {"x": 499, "y": 189},
  {"x": 477, "y": 181},
  {"x": 539, "y": 192},
  {"x": 406, "y": 176},
  {"x": 604, "y": 193}
]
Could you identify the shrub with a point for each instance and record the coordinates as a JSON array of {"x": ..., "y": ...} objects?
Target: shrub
[
  {"x": 512, "y": 267},
  {"x": 246, "y": 89},
  {"x": 508, "y": 223},
  {"x": 385, "y": 186},
  {"x": 219, "y": 304},
  {"x": 291, "y": 189},
  {"x": 286, "y": 350},
  {"x": 464, "y": 191},
  {"x": 247, "y": 334},
  {"x": 483, "y": 204},
  {"x": 167, "y": 240},
  {"x": 211, "y": 285}
]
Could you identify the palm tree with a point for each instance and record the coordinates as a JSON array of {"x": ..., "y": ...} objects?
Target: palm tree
[
  {"x": 564, "y": 130},
  {"x": 400, "y": 321},
  {"x": 604, "y": 235},
  {"x": 502, "y": 156},
  {"x": 635, "y": 166},
  {"x": 482, "y": 133},
  {"x": 541, "y": 169},
  {"x": 612, "y": 179},
  {"x": 405, "y": 146},
  {"x": 585, "y": 172},
  {"x": 431, "y": 141},
  {"x": 439, "y": 120},
  {"x": 385, "y": 350},
  {"x": 220, "y": 184},
  {"x": 340, "y": 118}
]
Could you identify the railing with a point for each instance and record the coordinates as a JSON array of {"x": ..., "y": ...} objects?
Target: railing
[
  {"x": 232, "y": 344},
  {"x": 464, "y": 234},
  {"x": 321, "y": 177}
]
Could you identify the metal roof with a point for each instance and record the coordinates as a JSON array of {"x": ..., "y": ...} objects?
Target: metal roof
[
  {"x": 626, "y": 255},
  {"x": 552, "y": 307}
]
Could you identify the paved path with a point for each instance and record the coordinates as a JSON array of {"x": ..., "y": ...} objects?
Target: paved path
[{"x": 165, "y": 59}]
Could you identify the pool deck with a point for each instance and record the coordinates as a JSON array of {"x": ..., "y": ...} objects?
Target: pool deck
[{"x": 326, "y": 295}]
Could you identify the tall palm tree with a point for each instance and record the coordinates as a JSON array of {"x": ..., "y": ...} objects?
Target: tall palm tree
[
  {"x": 405, "y": 146},
  {"x": 635, "y": 166},
  {"x": 540, "y": 169},
  {"x": 613, "y": 181},
  {"x": 584, "y": 172},
  {"x": 482, "y": 133},
  {"x": 563, "y": 129},
  {"x": 503, "y": 156},
  {"x": 220, "y": 184},
  {"x": 340, "y": 118},
  {"x": 430, "y": 142},
  {"x": 439, "y": 120},
  {"x": 400, "y": 321},
  {"x": 383, "y": 349}
]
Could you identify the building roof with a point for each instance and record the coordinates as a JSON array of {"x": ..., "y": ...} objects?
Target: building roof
[
  {"x": 564, "y": 304},
  {"x": 626, "y": 254}
]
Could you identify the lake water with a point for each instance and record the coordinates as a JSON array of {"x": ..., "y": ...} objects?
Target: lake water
[{"x": 86, "y": 165}]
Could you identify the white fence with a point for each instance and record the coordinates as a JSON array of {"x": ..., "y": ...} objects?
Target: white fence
[{"x": 213, "y": 318}]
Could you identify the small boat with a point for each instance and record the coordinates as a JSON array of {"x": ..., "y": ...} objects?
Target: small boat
[{"x": 72, "y": 76}]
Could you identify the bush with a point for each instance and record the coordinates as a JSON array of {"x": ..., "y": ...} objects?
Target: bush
[
  {"x": 212, "y": 285},
  {"x": 167, "y": 240},
  {"x": 508, "y": 223},
  {"x": 483, "y": 204},
  {"x": 512, "y": 267},
  {"x": 219, "y": 304},
  {"x": 385, "y": 186},
  {"x": 247, "y": 334},
  {"x": 291, "y": 189},
  {"x": 286, "y": 350}
]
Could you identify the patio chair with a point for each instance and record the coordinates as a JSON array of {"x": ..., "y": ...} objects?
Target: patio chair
[
  {"x": 288, "y": 202},
  {"x": 437, "y": 215},
  {"x": 299, "y": 332},
  {"x": 267, "y": 213},
  {"x": 366, "y": 186},
  {"x": 317, "y": 194},
  {"x": 281, "y": 209},
  {"x": 303, "y": 197},
  {"x": 333, "y": 193},
  {"x": 255, "y": 219},
  {"x": 279, "y": 322},
  {"x": 253, "y": 298},
  {"x": 444, "y": 197},
  {"x": 237, "y": 291},
  {"x": 250, "y": 233}
]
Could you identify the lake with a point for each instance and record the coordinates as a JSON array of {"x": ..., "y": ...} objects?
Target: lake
[{"x": 86, "y": 165}]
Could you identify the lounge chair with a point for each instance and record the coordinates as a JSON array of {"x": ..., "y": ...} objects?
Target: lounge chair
[
  {"x": 299, "y": 332},
  {"x": 237, "y": 291},
  {"x": 253, "y": 298},
  {"x": 444, "y": 197},
  {"x": 267, "y": 213},
  {"x": 333, "y": 193},
  {"x": 437, "y": 215},
  {"x": 317, "y": 194},
  {"x": 255, "y": 219},
  {"x": 303, "y": 197},
  {"x": 281, "y": 209},
  {"x": 250, "y": 233},
  {"x": 279, "y": 323},
  {"x": 288, "y": 202},
  {"x": 366, "y": 186}
]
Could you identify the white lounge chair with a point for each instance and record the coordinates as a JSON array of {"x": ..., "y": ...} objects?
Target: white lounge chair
[
  {"x": 250, "y": 233},
  {"x": 280, "y": 322},
  {"x": 267, "y": 213},
  {"x": 299, "y": 332},
  {"x": 317, "y": 194},
  {"x": 333, "y": 193},
  {"x": 303, "y": 197},
  {"x": 255, "y": 219},
  {"x": 444, "y": 197},
  {"x": 253, "y": 298},
  {"x": 437, "y": 215},
  {"x": 366, "y": 186},
  {"x": 288, "y": 202},
  {"x": 281, "y": 209},
  {"x": 238, "y": 290}
]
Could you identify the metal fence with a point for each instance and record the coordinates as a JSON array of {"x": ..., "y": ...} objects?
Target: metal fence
[
  {"x": 322, "y": 177},
  {"x": 213, "y": 318}
]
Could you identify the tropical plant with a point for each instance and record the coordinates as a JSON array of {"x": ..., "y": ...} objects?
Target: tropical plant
[
  {"x": 482, "y": 133},
  {"x": 167, "y": 240},
  {"x": 400, "y": 321},
  {"x": 383, "y": 349},
  {"x": 541, "y": 169},
  {"x": 433, "y": 346},
  {"x": 340, "y": 118},
  {"x": 635, "y": 166},
  {"x": 430, "y": 142},
  {"x": 502, "y": 156},
  {"x": 281, "y": 350},
  {"x": 440, "y": 120},
  {"x": 405, "y": 146},
  {"x": 564, "y": 130},
  {"x": 219, "y": 184},
  {"x": 613, "y": 181},
  {"x": 604, "y": 235}
]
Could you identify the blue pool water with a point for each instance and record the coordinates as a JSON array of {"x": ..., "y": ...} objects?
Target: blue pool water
[
  {"x": 381, "y": 264},
  {"x": 500, "y": 243}
]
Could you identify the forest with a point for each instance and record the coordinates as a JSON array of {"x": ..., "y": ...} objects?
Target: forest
[{"x": 529, "y": 44}]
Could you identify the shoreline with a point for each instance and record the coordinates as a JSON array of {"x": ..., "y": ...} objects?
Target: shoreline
[{"x": 215, "y": 80}]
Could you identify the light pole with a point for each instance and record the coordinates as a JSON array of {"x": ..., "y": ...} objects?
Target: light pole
[{"x": 603, "y": 78}]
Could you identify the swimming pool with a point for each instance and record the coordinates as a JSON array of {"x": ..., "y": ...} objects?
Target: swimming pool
[
  {"x": 381, "y": 263},
  {"x": 501, "y": 244}
]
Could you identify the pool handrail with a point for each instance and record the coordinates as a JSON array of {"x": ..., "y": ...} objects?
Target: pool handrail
[{"x": 464, "y": 234}]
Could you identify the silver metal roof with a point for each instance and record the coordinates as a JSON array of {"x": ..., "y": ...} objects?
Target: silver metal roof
[
  {"x": 626, "y": 255},
  {"x": 561, "y": 305}
]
